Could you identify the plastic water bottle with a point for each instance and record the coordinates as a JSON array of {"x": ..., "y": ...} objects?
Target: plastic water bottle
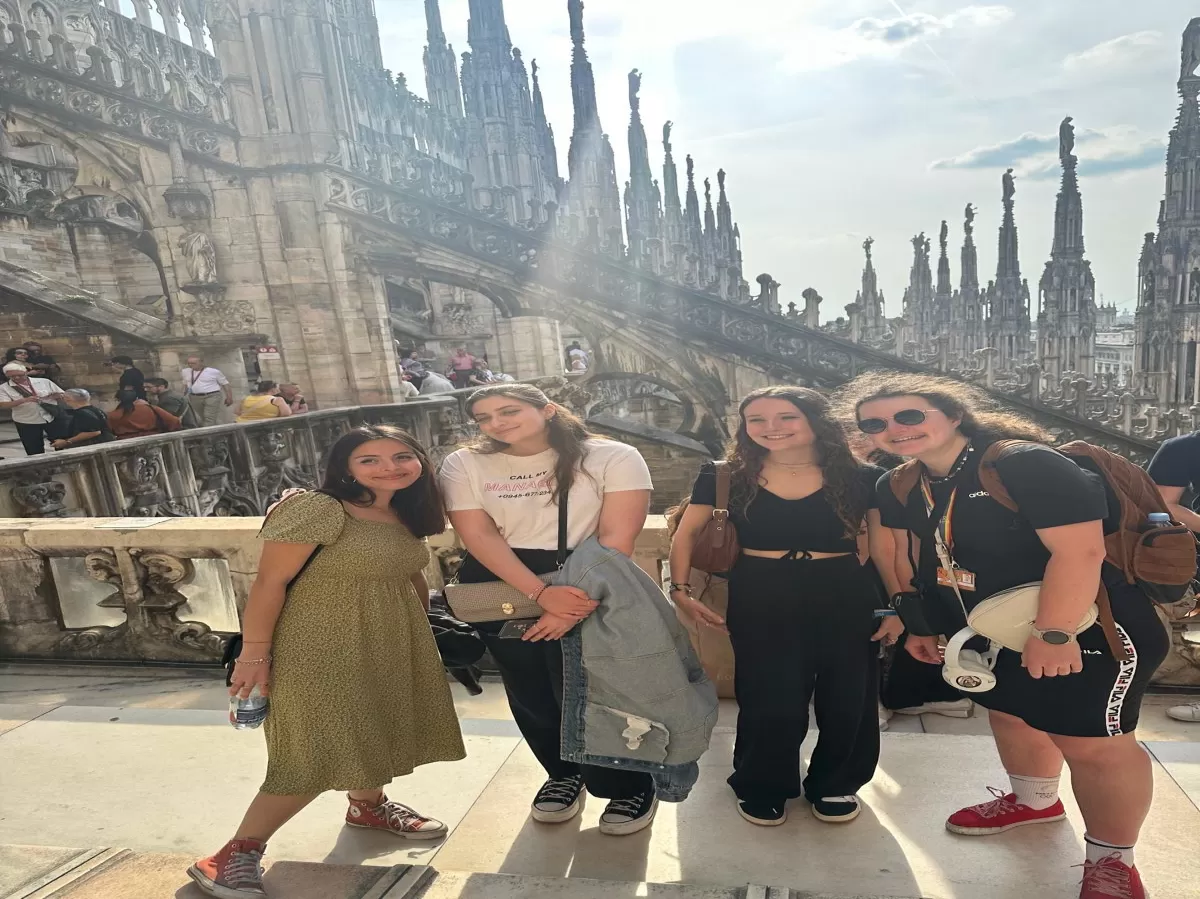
[
  {"x": 1159, "y": 520},
  {"x": 245, "y": 714}
]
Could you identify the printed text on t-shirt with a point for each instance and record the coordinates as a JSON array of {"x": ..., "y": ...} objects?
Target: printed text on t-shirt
[{"x": 520, "y": 486}]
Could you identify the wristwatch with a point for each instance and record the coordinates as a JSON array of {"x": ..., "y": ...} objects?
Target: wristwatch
[{"x": 1053, "y": 637}]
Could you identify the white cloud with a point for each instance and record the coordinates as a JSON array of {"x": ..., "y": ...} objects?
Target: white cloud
[
  {"x": 1121, "y": 53},
  {"x": 916, "y": 26},
  {"x": 1102, "y": 151}
]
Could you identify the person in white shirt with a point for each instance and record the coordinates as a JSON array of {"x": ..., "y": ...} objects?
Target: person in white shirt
[
  {"x": 503, "y": 494},
  {"x": 204, "y": 388},
  {"x": 23, "y": 396},
  {"x": 435, "y": 383}
]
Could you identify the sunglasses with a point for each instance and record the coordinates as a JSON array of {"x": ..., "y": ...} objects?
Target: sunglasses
[{"x": 903, "y": 417}]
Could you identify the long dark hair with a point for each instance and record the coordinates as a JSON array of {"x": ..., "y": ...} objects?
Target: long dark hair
[
  {"x": 566, "y": 432},
  {"x": 980, "y": 419},
  {"x": 126, "y": 398},
  {"x": 844, "y": 487},
  {"x": 264, "y": 386},
  {"x": 418, "y": 506}
]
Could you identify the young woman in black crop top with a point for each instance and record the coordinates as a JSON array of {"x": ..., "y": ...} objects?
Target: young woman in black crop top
[
  {"x": 802, "y": 608},
  {"x": 1065, "y": 697}
]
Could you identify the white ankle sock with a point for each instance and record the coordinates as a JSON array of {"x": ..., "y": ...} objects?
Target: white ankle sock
[
  {"x": 1098, "y": 849},
  {"x": 1036, "y": 792}
]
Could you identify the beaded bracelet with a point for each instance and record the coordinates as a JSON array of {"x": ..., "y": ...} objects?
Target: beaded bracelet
[
  {"x": 536, "y": 594},
  {"x": 266, "y": 661}
]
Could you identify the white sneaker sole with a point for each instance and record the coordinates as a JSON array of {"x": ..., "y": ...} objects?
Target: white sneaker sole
[
  {"x": 625, "y": 828},
  {"x": 215, "y": 889},
  {"x": 1187, "y": 719},
  {"x": 413, "y": 835},
  {"x": 988, "y": 831},
  {"x": 837, "y": 819},
  {"x": 763, "y": 822},
  {"x": 968, "y": 712},
  {"x": 559, "y": 817}
]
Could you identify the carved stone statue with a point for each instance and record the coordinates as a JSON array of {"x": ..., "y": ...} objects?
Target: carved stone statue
[
  {"x": 943, "y": 236},
  {"x": 1191, "y": 49},
  {"x": 667, "y": 136},
  {"x": 1194, "y": 286},
  {"x": 867, "y": 244},
  {"x": 1010, "y": 188},
  {"x": 1066, "y": 139},
  {"x": 197, "y": 248},
  {"x": 635, "y": 85},
  {"x": 969, "y": 219}
]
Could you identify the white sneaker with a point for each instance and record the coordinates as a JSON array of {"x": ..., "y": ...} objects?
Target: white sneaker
[
  {"x": 1189, "y": 712},
  {"x": 959, "y": 708},
  {"x": 885, "y": 715}
]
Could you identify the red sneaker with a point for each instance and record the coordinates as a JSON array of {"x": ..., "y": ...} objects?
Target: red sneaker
[
  {"x": 1110, "y": 878},
  {"x": 394, "y": 818},
  {"x": 1001, "y": 814},
  {"x": 233, "y": 873}
]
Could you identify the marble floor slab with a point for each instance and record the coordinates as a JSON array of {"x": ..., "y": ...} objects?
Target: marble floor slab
[{"x": 23, "y": 868}]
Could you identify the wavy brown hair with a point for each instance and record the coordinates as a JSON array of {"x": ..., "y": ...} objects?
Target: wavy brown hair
[
  {"x": 566, "y": 432},
  {"x": 845, "y": 489},
  {"x": 419, "y": 506},
  {"x": 980, "y": 418}
]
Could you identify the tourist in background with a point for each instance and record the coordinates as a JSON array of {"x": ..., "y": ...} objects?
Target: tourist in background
[
  {"x": 24, "y": 395},
  {"x": 131, "y": 378},
  {"x": 461, "y": 365},
  {"x": 87, "y": 425},
  {"x": 1065, "y": 697},
  {"x": 577, "y": 357},
  {"x": 802, "y": 604},
  {"x": 264, "y": 403},
  {"x": 1175, "y": 470},
  {"x": 159, "y": 393},
  {"x": 414, "y": 367},
  {"x": 20, "y": 355},
  {"x": 335, "y": 631},
  {"x": 294, "y": 398},
  {"x": 433, "y": 384},
  {"x": 480, "y": 375},
  {"x": 407, "y": 389},
  {"x": 503, "y": 494},
  {"x": 40, "y": 365},
  {"x": 135, "y": 417},
  {"x": 207, "y": 390}
]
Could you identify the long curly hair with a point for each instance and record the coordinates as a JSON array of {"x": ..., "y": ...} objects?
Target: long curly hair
[
  {"x": 566, "y": 432},
  {"x": 845, "y": 489},
  {"x": 980, "y": 418}
]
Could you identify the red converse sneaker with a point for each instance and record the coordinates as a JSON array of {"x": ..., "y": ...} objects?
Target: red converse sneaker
[
  {"x": 233, "y": 873},
  {"x": 394, "y": 818},
  {"x": 1110, "y": 878},
  {"x": 1001, "y": 814}
]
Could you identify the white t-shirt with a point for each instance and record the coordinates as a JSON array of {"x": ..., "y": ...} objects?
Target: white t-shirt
[
  {"x": 407, "y": 389},
  {"x": 208, "y": 380},
  {"x": 29, "y": 413},
  {"x": 515, "y": 490}
]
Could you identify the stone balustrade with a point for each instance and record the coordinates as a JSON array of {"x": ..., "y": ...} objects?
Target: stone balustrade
[
  {"x": 224, "y": 470},
  {"x": 171, "y": 589}
]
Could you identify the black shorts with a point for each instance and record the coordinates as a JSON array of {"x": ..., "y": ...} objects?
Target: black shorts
[{"x": 1105, "y": 698}]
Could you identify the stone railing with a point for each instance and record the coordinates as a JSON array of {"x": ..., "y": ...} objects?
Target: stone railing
[
  {"x": 153, "y": 590},
  {"x": 171, "y": 590},
  {"x": 234, "y": 469}
]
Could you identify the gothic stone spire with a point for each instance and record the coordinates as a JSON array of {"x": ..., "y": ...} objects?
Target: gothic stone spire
[
  {"x": 643, "y": 204},
  {"x": 441, "y": 66},
  {"x": 1008, "y": 296},
  {"x": 545, "y": 131}
]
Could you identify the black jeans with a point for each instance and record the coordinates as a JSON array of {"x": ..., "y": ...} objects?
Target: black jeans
[
  {"x": 801, "y": 629},
  {"x": 33, "y": 437},
  {"x": 533, "y": 680}
]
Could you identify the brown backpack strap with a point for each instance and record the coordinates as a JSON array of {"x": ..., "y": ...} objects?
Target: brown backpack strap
[
  {"x": 989, "y": 478},
  {"x": 723, "y": 479},
  {"x": 1108, "y": 624},
  {"x": 903, "y": 478}
]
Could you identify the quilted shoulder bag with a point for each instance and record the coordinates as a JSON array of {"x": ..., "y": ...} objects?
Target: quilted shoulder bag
[
  {"x": 498, "y": 601},
  {"x": 717, "y": 549}
]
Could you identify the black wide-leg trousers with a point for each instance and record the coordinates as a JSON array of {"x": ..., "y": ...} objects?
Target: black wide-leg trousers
[{"x": 801, "y": 631}]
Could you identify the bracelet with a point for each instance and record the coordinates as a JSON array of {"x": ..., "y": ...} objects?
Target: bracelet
[
  {"x": 537, "y": 594},
  {"x": 886, "y": 613},
  {"x": 264, "y": 661},
  {"x": 685, "y": 588}
]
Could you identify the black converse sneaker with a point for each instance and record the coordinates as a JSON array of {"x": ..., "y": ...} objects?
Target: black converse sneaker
[
  {"x": 836, "y": 809},
  {"x": 764, "y": 814},
  {"x": 625, "y": 816},
  {"x": 559, "y": 799}
]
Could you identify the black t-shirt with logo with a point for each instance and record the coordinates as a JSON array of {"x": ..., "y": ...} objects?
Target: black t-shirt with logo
[
  {"x": 87, "y": 419},
  {"x": 1000, "y": 547}
]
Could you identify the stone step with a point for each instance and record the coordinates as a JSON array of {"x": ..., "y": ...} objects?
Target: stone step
[{"x": 51, "y": 873}]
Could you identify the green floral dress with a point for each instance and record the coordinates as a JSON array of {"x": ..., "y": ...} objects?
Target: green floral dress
[{"x": 358, "y": 691}]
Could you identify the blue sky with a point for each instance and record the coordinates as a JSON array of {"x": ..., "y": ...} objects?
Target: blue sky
[{"x": 839, "y": 119}]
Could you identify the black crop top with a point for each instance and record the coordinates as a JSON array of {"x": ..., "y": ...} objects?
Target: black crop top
[{"x": 773, "y": 523}]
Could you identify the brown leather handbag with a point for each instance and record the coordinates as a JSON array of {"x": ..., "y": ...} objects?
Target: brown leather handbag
[{"x": 717, "y": 548}]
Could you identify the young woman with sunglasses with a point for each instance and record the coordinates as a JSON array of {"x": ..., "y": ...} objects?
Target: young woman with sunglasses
[
  {"x": 503, "y": 494},
  {"x": 802, "y": 607},
  {"x": 1065, "y": 698}
]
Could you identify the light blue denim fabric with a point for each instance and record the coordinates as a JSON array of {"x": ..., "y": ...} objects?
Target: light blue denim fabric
[{"x": 634, "y": 693}]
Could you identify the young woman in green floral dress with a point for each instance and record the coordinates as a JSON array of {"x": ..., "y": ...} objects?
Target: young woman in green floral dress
[{"x": 358, "y": 692}]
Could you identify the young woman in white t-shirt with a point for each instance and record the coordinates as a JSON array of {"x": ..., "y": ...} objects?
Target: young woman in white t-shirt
[{"x": 502, "y": 495}]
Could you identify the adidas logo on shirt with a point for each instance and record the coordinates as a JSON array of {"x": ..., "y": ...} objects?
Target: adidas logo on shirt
[{"x": 979, "y": 494}]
